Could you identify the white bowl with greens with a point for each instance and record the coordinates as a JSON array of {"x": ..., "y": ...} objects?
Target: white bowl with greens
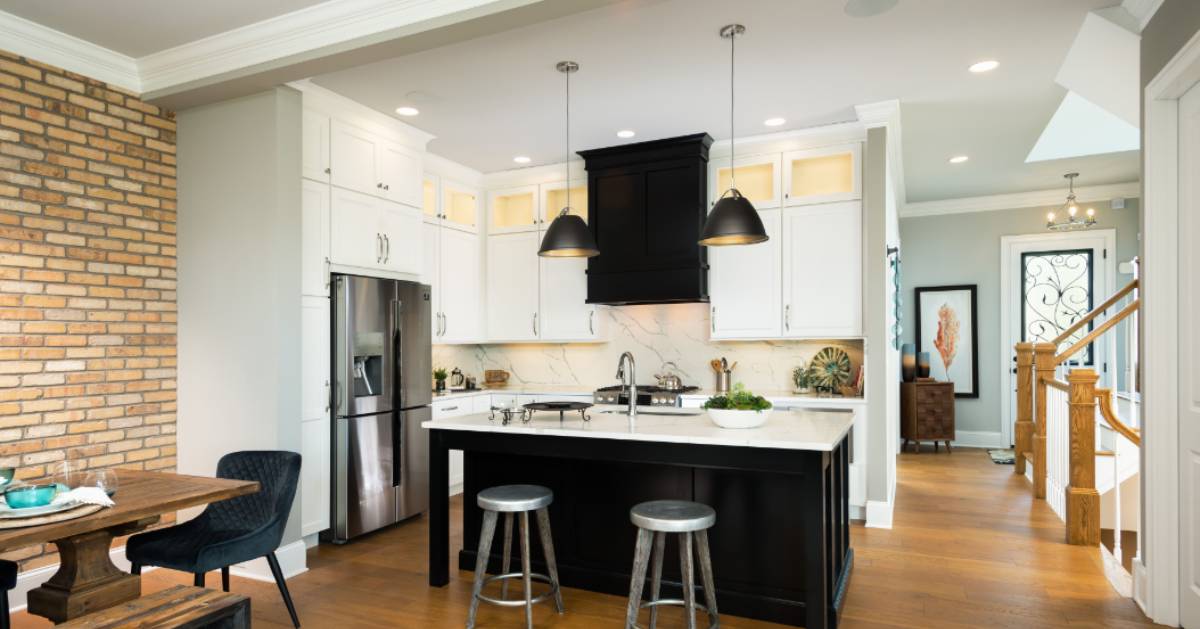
[{"x": 739, "y": 408}]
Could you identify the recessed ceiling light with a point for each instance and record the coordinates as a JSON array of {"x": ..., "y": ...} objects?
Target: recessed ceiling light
[
  {"x": 774, "y": 122},
  {"x": 984, "y": 66},
  {"x": 407, "y": 111},
  {"x": 958, "y": 159},
  {"x": 625, "y": 133},
  {"x": 521, "y": 159}
]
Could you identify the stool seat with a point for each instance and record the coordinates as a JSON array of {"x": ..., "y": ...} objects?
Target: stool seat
[
  {"x": 672, "y": 516},
  {"x": 515, "y": 498}
]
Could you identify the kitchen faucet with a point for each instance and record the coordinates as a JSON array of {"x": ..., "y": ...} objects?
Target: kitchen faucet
[{"x": 628, "y": 356}]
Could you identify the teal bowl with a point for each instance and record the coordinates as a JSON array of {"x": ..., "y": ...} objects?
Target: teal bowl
[{"x": 28, "y": 496}]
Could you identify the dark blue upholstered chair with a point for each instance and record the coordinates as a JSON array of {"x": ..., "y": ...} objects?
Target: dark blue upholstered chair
[
  {"x": 231, "y": 531},
  {"x": 8, "y": 581}
]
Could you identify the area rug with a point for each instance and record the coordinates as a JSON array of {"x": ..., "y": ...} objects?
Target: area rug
[{"x": 1002, "y": 457}]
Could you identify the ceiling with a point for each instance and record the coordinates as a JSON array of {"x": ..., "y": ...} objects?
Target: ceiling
[
  {"x": 658, "y": 67},
  {"x": 139, "y": 27}
]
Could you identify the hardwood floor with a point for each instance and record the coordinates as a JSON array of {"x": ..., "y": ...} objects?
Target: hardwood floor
[{"x": 967, "y": 550}]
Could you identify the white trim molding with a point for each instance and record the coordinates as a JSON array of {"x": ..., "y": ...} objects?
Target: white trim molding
[
  {"x": 44, "y": 44},
  {"x": 1158, "y": 559},
  {"x": 293, "y": 560},
  {"x": 979, "y": 439},
  {"x": 879, "y": 514},
  {"x": 887, "y": 114},
  {"x": 1037, "y": 198}
]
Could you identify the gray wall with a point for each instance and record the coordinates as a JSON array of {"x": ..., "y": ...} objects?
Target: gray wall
[
  {"x": 875, "y": 321},
  {"x": 239, "y": 285},
  {"x": 965, "y": 249}
]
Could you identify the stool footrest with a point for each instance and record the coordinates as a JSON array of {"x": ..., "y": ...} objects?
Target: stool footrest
[
  {"x": 517, "y": 602},
  {"x": 677, "y": 602}
]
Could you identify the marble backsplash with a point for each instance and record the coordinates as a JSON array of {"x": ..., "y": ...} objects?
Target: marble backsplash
[{"x": 655, "y": 334}]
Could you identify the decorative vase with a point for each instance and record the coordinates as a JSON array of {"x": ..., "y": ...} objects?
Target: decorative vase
[
  {"x": 908, "y": 361},
  {"x": 439, "y": 385},
  {"x": 922, "y": 364}
]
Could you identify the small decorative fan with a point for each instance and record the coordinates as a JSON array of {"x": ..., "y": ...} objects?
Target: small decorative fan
[{"x": 830, "y": 369}]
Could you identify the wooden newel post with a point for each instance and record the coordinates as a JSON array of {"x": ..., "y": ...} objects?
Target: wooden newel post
[
  {"x": 1043, "y": 369},
  {"x": 1083, "y": 501},
  {"x": 1023, "y": 434}
]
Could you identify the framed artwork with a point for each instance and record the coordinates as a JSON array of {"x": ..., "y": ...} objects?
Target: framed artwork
[{"x": 947, "y": 328}]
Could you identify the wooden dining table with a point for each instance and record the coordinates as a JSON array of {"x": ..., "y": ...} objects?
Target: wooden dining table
[{"x": 87, "y": 580}]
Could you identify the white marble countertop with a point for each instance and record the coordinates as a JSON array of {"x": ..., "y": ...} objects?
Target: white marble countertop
[
  {"x": 819, "y": 430},
  {"x": 781, "y": 397}
]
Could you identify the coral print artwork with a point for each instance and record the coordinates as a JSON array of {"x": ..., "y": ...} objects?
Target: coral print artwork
[{"x": 946, "y": 326}]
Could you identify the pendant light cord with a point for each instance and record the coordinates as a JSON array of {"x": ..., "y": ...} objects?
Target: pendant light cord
[
  {"x": 732, "y": 69},
  {"x": 568, "y": 162}
]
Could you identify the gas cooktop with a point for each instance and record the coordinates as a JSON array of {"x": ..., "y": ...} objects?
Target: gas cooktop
[{"x": 649, "y": 395}]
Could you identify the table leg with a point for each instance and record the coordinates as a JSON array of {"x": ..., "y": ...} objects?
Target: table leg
[
  {"x": 87, "y": 580},
  {"x": 439, "y": 510}
]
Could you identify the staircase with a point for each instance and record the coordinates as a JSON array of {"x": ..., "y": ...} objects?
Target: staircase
[{"x": 1080, "y": 445}]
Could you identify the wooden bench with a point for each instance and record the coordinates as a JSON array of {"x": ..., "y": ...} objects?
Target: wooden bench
[{"x": 181, "y": 606}]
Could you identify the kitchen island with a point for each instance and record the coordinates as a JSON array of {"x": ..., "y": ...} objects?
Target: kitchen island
[{"x": 780, "y": 547}]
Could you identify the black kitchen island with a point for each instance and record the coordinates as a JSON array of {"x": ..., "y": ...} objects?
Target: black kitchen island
[{"x": 780, "y": 547}]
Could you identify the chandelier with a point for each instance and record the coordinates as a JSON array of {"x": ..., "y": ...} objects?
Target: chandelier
[{"x": 1072, "y": 220}]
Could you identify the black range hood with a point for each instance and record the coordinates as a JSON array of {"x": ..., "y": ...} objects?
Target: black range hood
[{"x": 646, "y": 208}]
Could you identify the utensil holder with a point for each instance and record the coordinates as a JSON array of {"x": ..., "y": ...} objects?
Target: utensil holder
[{"x": 723, "y": 380}]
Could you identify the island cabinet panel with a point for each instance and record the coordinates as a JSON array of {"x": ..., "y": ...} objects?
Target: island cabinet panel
[{"x": 780, "y": 547}]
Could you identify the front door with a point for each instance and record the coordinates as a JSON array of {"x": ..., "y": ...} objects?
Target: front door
[
  {"x": 1189, "y": 359},
  {"x": 1051, "y": 281}
]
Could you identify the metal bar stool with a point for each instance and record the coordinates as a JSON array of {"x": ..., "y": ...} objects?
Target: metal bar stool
[
  {"x": 656, "y": 519},
  {"x": 510, "y": 500}
]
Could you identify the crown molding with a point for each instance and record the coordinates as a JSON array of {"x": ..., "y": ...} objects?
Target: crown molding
[
  {"x": 1038, "y": 198},
  {"x": 322, "y": 27},
  {"x": 34, "y": 41},
  {"x": 886, "y": 114}
]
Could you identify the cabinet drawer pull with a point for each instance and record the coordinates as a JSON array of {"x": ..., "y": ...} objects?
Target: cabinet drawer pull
[
  {"x": 591, "y": 322},
  {"x": 535, "y": 324},
  {"x": 449, "y": 408},
  {"x": 712, "y": 316},
  {"x": 387, "y": 248},
  {"x": 328, "y": 275},
  {"x": 378, "y": 248},
  {"x": 445, "y": 323}
]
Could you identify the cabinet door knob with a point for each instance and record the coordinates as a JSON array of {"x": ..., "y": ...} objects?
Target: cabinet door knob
[
  {"x": 379, "y": 185},
  {"x": 387, "y": 186}
]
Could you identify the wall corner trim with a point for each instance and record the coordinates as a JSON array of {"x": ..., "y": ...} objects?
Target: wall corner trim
[{"x": 879, "y": 514}]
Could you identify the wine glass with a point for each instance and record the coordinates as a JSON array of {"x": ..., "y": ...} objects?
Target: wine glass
[
  {"x": 70, "y": 474},
  {"x": 104, "y": 479}
]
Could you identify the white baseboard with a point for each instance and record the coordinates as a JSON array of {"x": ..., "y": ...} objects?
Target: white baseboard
[
  {"x": 456, "y": 488},
  {"x": 1121, "y": 581},
  {"x": 978, "y": 439},
  {"x": 858, "y": 512},
  {"x": 879, "y": 514},
  {"x": 31, "y": 579},
  {"x": 311, "y": 541},
  {"x": 292, "y": 557},
  {"x": 1140, "y": 595}
]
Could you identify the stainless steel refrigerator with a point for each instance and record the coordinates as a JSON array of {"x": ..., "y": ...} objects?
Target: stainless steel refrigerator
[{"x": 381, "y": 349}]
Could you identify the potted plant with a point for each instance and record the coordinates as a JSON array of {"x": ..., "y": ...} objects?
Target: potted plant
[
  {"x": 802, "y": 378},
  {"x": 439, "y": 379},
  {"x": 739, "y": 408}
]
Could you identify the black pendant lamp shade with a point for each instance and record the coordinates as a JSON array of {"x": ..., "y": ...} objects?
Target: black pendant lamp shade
[
  {"x": 568, "y": 237},
  {"x": 733, "y": 221}
]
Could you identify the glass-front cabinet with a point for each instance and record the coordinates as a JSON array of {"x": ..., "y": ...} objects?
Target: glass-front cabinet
[
  {"x": 758, "y": 178},
  {"x": 513, "y": 210},
  {"x": 460, "y": 206},
  {"x": 554, "y": 199},
  {"x": 822, "y": 175},
  {"x": 430, "y": 208}
]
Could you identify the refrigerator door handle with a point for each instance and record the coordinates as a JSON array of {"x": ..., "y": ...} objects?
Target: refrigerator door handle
[
  {"x": 397, "y": 359},
  {"x": 397, "y": 450}
]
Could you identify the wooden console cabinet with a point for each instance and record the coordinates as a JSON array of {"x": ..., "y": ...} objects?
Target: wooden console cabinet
[{"x": 927, "y": 412}]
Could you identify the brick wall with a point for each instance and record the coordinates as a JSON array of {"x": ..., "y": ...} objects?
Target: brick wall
[{"x": 87, "y": 276}]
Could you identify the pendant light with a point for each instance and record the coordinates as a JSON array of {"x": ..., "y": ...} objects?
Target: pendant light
[
  {"x": 733, "y": 220},
  {"x": 568, "y": 236}
]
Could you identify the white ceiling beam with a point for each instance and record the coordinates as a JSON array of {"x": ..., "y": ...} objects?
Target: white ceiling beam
[
  {"x": 40, "y": 43},
  {"x": 1037, "y": 198}
]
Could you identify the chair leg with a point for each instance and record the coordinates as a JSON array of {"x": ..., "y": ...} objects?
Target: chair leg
[
  {"x": 706, "y": 574},
  {"x": 198, "y": 580},
  {"x": 526, "y": 570},
  {"x": 225, "y": 579},
  {"x": 687, "y": 570},
  {"x": 543, "y": 516},
  {"x": 506, "y": 560},
  {"x": 4, "y": 615},
  {"x": 641, "y": 556},
  {"x": 135, "y": 568},
  {"x": 481, "y": 559},
  {"x": 660, "y": 544},
  {"x": 283, "y": 589}
]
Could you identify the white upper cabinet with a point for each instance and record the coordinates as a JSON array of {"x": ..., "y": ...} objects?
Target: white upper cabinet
[
  {"x": 822, "y": 175},
  {"x": 758, "y": 178},
  {"x": 513, "y": 210},
  {"x": 822, "y": 270},
  {"x": 565, "y": 315},
  {"x": 745, "y": 286},
  {"x": 354, "y": 234},
  {"x": 512, "y": 286},
  {"x": 400, "y": 228},
  {"x": 314, "y": 152},
  {"x": 459, "y": 287},
  {"x": 460, "y": 206},
  {"x": 554, "y": 199},
  {"x": 314, "y": 238},
  {"x": 353, "y": 155},
  {"x": 400, "y": 173}
]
